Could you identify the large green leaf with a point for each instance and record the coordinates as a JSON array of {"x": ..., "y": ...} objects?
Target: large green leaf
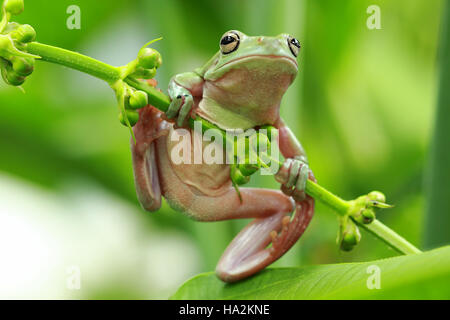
[{"x": 420, "y": 276}]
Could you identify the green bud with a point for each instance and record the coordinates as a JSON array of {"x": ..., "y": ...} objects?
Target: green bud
[
  {"x": 133, "y": 117},
  {"x": 350, "y": 237},
  {"x": 377, "y": 196},
  {"x": 15, "y": 7},
  {"x": 25, "y": 33},
  {"x": 269, "y": 129},
  {"x": 142, "y": 73},
  {"x": 237, "y": 177},
  {"x": 263, "y": 140},
  {"x": 346, "y": 247},
  {"x": 247, "y": 169},
  {"x": 11, "y": 77},
  {"x": 22, "y": 66},
  {"x": 367, "y": 216},
  {"x": 149, "y": 58},
  {"x": 138, "y": 99}
]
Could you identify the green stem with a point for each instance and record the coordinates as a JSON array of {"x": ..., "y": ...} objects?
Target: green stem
[
  {"x": 75, "y": 60},
  {"x": 155, "y": 97},
  {"x": 161, "y": 101},
  {"x": 390, "y": 237},
  {"x": 320, "y": 193}
]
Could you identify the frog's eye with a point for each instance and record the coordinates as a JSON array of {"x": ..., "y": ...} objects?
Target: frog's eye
[
  {"x": 294, "y": 45},
  {"x": 229, "y": 42}
]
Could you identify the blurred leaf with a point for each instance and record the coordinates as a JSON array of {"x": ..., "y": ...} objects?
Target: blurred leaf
[
  {"x": 438, "y": 179},
  {"x": 421, "y": 276}
]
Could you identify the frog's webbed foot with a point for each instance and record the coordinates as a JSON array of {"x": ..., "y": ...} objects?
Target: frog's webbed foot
[
  {"x": 181, "y": 105},
  {"x": 249, "y": 252},
  {"x": 292, "y": 228}
]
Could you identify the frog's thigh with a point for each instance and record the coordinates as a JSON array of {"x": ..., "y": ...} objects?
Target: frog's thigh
[
  {"x": 200, "y": 206},
  {"x": 256, "y": 203}
]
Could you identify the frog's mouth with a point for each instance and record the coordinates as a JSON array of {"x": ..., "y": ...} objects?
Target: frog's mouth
[{"x": 263, "y": 56}]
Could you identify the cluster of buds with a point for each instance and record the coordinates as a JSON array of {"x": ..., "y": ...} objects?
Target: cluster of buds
[
  {"x": 362, "y": 211},
  {"x": 134, "y": 100},
  {"x": 250, "y": 161},
  {"x": 15, "y": 63},
  {"x": 143, "y": 67}
]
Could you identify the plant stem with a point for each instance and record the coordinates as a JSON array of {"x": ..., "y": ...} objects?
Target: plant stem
[
  {"x": 390, "y": 237},
  {"x": 376, "y": 228},
  {"x": 320, "y": 193},
  {"x": 155, "y": 97},
  {"x": 75, "y": 60},
  {"x": 161, "y": 101}
]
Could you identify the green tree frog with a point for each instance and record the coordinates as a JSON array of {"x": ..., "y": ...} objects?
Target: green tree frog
[{"x": 241, "y": 86}]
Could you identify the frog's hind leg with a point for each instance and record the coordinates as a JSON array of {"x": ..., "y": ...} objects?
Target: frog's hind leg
[
  {"x": 249, "y": 252},
  {"x": 149, "y": 128}
]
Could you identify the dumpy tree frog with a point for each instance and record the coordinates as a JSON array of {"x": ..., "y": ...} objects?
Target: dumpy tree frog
[{"x": 241, "y": 86}]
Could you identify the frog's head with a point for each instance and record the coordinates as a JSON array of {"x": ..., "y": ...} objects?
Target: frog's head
[{"x": 276, "y": 55}]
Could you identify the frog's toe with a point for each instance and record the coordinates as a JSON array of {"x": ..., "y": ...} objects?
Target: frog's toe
[
  {"x": 185, "y": 109},
  {"x": 293, "y": 176},
  {"x": 180, "y": 108},
  {"x": 300, "y": 186},
  {"x": 174, "y": 107}
]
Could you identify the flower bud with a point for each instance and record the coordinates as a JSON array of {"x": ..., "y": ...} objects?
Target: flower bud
[
  {"x": 350, "y": 237},
  {"x": 367, "y": 216},
  {"x": 268, "y": 129},
  {"x": 11, "y": 77},
  {"x": 25, "y": 33},
  {"x": 15, "y": 7},
  {"x": 247, "y": 169},
  {"x": 133, "y": 117},
  {"x": 377, "y": 196},
  {"x": 237, "y": 177},
  {"x": 149, "y": 58},
  {"x": 138, "y": 99},
  {"x": 142, "y": 73},
  {"x": 22, "y": 66}
]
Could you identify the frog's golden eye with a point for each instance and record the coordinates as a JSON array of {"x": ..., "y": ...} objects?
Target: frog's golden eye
[
  {"x": 294, "y": 45},
  {"x": 229, "y": 42}
]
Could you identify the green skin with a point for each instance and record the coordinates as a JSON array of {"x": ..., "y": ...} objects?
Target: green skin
[{"x": 239, "y": 87}]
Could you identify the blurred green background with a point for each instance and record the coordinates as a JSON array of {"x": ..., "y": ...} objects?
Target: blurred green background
[{"x": 362, "y": 106}]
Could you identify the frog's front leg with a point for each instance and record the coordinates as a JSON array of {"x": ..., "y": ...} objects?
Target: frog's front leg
[
  {"x": 184, "y": 90},
  {"x": 295, "y": 169}
]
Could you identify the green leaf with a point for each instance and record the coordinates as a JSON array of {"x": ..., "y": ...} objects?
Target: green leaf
[
  {"x": 419, "y": 276},
  {"x": 437, "y": 176}
]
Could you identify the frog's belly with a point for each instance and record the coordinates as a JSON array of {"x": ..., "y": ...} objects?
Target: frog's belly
[{"x": 201, "y": 178}]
